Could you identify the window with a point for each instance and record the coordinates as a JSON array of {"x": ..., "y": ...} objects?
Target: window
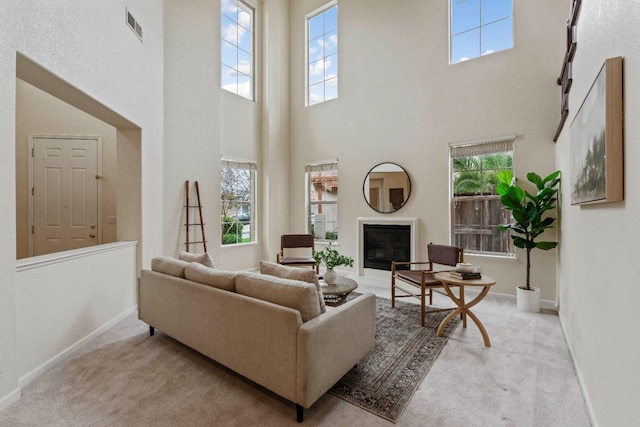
[
  {"x": 480, "y": 27},
  {"x": 238, "y": 206},
  {"x": 476, "y": 209},
  {"x": 322, "y": 184},
  {"x": 322, "y": 55},
  {"x": 237, "y": 48}
]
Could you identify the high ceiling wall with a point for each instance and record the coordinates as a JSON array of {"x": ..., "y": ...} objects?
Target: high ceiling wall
[{"x": 400, "y": 101}]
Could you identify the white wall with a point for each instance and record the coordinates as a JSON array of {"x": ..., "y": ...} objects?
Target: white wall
[
  {"x": 240, "y": 138},
  {"x": 204, "y": 122},
  {"x": 275, "y": 173},
  {"x": 192, "y": 108},
  {"x": 9, "y": 390},
  {"x": 400, "y": 101},
  {"x": 599, "y": 256},
  {"x": 60, "y": 301},
  {"x": 88, "y": 45},
  {"x": 259, "y": 131}
]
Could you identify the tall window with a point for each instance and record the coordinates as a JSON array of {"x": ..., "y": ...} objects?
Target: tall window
[
  {"x": 480, "y": 27},
  {"x": 475, "y": 206},
  {"x": 322, "y": 55},
  {"x": 238, "y": 205},
  {"x": 322, "y": 184},
  {"x": 237, "y": 48}
]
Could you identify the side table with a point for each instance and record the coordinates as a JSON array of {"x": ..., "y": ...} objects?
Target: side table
[
  {"x": 337, "y": 293},
  {"x": 464, "y": 307}
]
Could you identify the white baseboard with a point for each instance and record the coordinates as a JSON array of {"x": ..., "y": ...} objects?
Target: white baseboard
[
  {"x": 544, "y": 303},
  {"x": 27, "y": 378},
  {"x": 583, "y": 388},
  {"x": 10, "y": 398}
]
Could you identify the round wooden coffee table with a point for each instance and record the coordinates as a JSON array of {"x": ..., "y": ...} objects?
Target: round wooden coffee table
[
  {"x": 464, "y": 307},
  {"x": 337, "y": 293}
]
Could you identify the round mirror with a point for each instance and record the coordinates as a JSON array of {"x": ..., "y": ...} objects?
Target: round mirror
[{"x": 387, "y": 187}]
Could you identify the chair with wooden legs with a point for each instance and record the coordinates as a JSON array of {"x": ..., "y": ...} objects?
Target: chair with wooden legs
[
  {"x": 296, "y": 250},
  {"x": 418, "y": 283}
]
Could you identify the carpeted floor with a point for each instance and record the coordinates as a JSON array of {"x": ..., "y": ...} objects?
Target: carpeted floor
[
  {"x": 385, "y": 380},
  {"x": 126, "y": 378}
]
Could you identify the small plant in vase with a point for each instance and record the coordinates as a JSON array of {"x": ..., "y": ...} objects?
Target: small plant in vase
[{"x": 331, "y": 258}]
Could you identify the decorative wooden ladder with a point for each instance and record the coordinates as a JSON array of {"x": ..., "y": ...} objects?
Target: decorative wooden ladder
[{"x": 188, "y": 224}]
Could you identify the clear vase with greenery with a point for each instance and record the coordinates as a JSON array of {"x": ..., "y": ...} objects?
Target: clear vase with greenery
[
  {"x": 529, "y": 211},
  {"x": 331, "y": 258}
]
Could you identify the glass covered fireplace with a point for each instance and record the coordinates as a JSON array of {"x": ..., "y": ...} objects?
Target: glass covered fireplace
[{"x": 383, "y": 243}]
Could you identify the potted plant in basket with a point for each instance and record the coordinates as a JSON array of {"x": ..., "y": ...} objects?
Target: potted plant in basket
[
  {"x": 331, "y": 258},
  {"x": 530, "y": 221}
]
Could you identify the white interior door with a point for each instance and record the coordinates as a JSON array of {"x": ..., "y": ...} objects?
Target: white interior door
[{"x": 65, "y": 194}]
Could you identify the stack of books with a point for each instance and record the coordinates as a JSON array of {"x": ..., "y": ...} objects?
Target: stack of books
[{"x": 465, "y": 275}]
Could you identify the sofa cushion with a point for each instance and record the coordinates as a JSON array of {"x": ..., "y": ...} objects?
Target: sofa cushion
[
  {"x": 211, "y": 276},
  {"x": 204, "y": 259},
  {"x": 294, "y": 273},
  {"x": 301, "y": 296},
  {"x": 168, "y": 265}
]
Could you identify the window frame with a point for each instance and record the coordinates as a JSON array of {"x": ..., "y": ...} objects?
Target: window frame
[
  {"x": 252, "y": 168},
  {"x": 480, "y": 27},
  {"x": 321, "y": 166},
  {"x": 223, "y": 66},
  {"x": 323, "y": 9},
  {"x": 484, "y": 147}
]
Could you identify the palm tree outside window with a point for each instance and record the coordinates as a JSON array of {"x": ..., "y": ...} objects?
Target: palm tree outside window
[{"x": 476, "y": 210}]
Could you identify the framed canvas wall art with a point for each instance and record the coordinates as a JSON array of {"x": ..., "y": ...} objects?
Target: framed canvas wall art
[{"x": 596, "y": 140}]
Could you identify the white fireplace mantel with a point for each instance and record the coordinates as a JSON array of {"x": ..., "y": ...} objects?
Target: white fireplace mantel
[{"x": 411, "y": 221}]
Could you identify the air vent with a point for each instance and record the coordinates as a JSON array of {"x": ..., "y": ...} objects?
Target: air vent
[{"x": 133, "y": 24}]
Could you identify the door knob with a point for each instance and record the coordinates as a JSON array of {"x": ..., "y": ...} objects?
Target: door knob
[
  {"x": 93, "y": 226},
  {"x": 92, "y": 235}
]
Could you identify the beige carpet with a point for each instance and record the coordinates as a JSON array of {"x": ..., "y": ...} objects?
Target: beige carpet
[
  {"x": 524, "y": 379},
  {"x": 126, "y": 378}
]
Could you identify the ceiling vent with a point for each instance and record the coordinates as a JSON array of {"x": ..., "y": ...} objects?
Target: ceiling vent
[{"x": 133, "y": 24}]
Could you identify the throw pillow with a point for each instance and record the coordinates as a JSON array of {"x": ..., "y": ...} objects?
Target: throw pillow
[
  {"x": 301, "y": 296},
  {"x": 168, "y": 265},
  {"x": 211, "y": 276},
  {"x": 204, "y": 259},
  {"x": 294, "y": 273}
]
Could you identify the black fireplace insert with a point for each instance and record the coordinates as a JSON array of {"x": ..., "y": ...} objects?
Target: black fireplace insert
[{"x": 386, "y": 243}]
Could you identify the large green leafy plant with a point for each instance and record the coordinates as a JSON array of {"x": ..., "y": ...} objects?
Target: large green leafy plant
[
  {"x": 331, "y": 258},
  {"x": 529, "y": 211}
]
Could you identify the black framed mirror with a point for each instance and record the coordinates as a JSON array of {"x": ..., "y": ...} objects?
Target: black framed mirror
[{"x": 386, "y": 187}]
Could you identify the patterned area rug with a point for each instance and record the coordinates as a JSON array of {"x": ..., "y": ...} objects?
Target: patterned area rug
[{"x": 384, "y": 381}]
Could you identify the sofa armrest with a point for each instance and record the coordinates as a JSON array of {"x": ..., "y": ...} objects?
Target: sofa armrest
[{"x": 333, "y": 343}]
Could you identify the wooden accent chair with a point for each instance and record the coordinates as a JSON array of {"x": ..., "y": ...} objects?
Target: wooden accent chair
[
  {"x": 422, "y": 282},
  {"x": 296, "y": 250}
]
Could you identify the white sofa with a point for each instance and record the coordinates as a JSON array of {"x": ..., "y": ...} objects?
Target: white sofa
[{"x": 269, "y": 329}]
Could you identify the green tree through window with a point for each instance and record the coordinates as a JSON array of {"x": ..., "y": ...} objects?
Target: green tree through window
[
  {"x": 237, "y": 204},
  {"x": 478, "y": 174},
  {"x": 476, "y": 208}
]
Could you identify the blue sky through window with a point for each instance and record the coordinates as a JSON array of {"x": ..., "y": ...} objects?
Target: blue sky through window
[
  {"x": 322, "y": 52},
  {"x": 480, "y": 27},
  {"x": 237, "y": 48}
]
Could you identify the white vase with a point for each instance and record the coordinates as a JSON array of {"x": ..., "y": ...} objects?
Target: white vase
[
  {"x": 528, "y": 300},
  {"x": 330, "y": 276}
]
